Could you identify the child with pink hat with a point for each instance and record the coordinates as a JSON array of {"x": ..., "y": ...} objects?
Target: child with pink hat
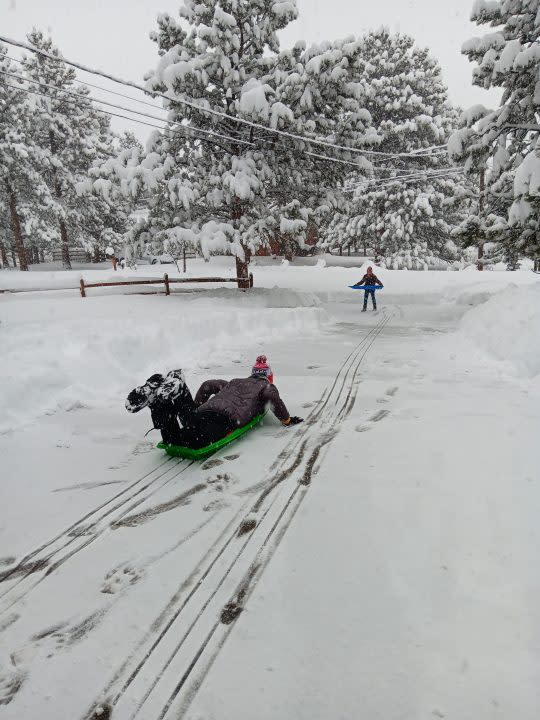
[{"x": 262, "y": 367}]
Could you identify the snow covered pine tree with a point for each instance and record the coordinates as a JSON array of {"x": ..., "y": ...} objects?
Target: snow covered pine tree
[
  {"x": 226, "y": 185},
  {"x": 74, "y": 133},
  {"x": 401, "y": 213},
  {"x": 503, "y": 144},
  {"x": 24, "y": 194}
]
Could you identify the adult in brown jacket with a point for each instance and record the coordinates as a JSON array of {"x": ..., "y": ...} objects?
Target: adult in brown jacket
[{"x": 219, "y": 406}]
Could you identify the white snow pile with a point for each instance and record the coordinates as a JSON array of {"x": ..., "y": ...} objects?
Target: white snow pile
[
  {"x": 65, "y": 354},
  {"x": 507, "y": 328}
]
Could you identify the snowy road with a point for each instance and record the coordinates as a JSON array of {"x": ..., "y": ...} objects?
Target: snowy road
[{"x": 378, "y": 560}]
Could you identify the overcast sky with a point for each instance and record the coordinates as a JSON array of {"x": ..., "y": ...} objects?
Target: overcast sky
[{"x": 113, "y": 34}]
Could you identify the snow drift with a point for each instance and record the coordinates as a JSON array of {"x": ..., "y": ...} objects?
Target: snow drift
[
  {"x": 63, "y": 354},
  {"x": 507, "y": 327}
]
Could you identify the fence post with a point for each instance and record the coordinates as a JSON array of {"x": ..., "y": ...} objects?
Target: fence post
[
  {"x": 83, "y": 292},
  {"x": 250, "y": 280},
  {"x": 166, "y": 281}
]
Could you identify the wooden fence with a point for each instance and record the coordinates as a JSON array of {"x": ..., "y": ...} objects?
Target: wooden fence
[{"x": 243, "y": 283}]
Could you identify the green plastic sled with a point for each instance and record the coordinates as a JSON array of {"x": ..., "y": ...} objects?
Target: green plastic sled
[{"x": 204, "y": 452}]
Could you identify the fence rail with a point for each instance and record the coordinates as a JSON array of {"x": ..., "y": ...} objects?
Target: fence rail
[{"x": 243, "y": 283}]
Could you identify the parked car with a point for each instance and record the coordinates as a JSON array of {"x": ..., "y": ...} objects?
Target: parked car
[{"x": 164, "y": 259}]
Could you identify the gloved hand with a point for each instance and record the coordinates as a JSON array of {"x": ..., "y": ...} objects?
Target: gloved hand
[{"x": 295, "y": 420}]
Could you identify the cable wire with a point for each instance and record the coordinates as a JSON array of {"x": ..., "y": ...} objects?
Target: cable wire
[{"x": 194, "y": 105}]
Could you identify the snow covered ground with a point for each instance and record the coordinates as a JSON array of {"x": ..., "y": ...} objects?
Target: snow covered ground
[{"x": 377, "y": 561}]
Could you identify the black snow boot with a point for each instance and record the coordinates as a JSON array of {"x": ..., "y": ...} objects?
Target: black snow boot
[{"x": 143, "y": 395}]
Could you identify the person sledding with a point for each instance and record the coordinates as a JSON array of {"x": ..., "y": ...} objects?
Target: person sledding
[
  {"x": 371, "y": 281},
  {"x": 219, "y": 407}
]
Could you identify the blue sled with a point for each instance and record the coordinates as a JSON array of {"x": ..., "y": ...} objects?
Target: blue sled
[{"x": 365, "y": 287}]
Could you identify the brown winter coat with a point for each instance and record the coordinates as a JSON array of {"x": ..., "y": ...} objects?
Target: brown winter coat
[{"x": 241, "y": 399}]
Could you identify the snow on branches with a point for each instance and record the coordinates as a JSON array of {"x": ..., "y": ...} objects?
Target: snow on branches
[
  {"x": 502, "y": 143},
  {"x": 218, "y": 175},
  {"x": 403, "y": 209}
]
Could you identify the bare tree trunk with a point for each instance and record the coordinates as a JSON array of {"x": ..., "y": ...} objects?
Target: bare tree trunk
[
  {"x": 288, "y": 250},
  {"x": 41, "y": 256},
  {"x": 481, "y": 213},
  {"x": 13, "y": 256},
  {"x": 66, "y": 260},
  {"x": 17, "y": 233},
  {"x": 4, "y": 255},
  {"x": 242, "y": 266},
  {"x": 242, "y": 271},
  {"x": 35, "y": 254}
]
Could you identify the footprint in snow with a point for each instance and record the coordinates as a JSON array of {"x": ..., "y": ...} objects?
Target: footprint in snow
[
  {"x": 217, "y": 504},
  {"x": 221, "y": 481},
  {"x": 362, "y": 428},
  {"x": 379, "y": 415},
  {"x": 211, "y": 463},
  {"x": 10, "y": 683},
  {"x": 119, "y": 578}
]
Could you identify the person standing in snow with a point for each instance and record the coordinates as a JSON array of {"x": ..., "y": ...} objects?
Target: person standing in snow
[
  {"x": 371, "y": 280},
  {"x": 219, "y": 406}
]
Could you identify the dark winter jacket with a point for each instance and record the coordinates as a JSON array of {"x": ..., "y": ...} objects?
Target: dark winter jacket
[
  {"x": 241, "y": 399},
  {"x": 370, "y": 280}
]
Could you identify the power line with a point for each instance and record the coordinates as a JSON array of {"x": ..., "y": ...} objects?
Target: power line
[
  {"x": 159, "y": 127},
  {"x": 124, "y": 117},
  {"x": 387, "y": 182},
  {"x": 189, "y": 129},
  {"x": 195, "y": 106},
  {"x": 100, "y": 87},
  {"x": 118, "y": 107}
]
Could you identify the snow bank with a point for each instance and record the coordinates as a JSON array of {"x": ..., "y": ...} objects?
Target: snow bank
[
  {"x": 60, "y": 353},
  {"x": 507, "y": 327},
  {"x": 304, "y": 275}
]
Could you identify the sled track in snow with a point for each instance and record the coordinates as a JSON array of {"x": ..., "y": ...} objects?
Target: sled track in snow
[
  {"x": 37, "y": 565},
  {"x": 162, "y": 675}
]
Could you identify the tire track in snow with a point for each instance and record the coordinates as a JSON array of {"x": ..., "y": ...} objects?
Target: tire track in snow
[
  {"x": 35, "y": 567},
  {"x": 187, "y": 626},
  {"x": 216, "y": 637}
]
